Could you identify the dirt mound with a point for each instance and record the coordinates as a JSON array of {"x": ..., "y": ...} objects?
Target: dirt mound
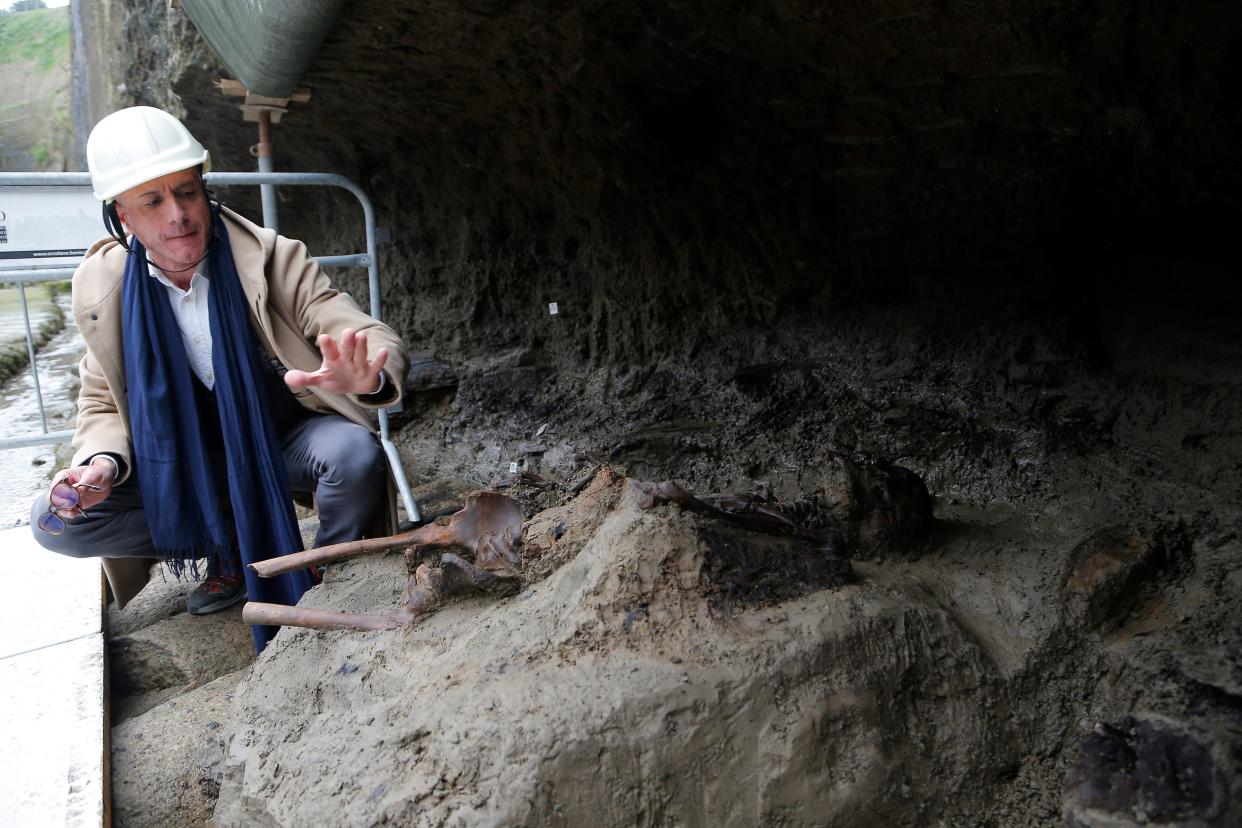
[{"x": 622, "y": 689}]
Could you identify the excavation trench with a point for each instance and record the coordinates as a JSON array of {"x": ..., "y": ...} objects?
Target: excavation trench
[{"x": 986, "y": 245}]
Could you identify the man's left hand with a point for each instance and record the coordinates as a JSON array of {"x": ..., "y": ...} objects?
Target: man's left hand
[{"x": 345, "y": 369}]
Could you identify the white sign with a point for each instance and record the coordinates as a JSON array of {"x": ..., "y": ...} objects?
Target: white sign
[{"x": 47, "y": 225}]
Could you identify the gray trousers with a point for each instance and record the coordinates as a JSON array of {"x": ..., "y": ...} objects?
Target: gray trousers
[{"x": 337, "y": 460}]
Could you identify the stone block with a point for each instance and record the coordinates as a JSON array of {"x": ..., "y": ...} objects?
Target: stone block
[{"x": 167, "y": 762}]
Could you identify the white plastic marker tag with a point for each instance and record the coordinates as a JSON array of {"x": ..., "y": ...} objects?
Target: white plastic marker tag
[
  {"x": 553, "y": 309},
  {"x": 513, "y": 468}
]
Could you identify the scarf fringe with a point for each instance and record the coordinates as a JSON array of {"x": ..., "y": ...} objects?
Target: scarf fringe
[{"x": 202, "y": 563}]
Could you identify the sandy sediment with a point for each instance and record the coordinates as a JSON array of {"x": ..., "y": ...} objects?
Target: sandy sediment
[{"x": 635, "y": 684}]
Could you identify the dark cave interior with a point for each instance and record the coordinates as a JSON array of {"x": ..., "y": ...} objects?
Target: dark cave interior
[{"x": 989, "y": 242}]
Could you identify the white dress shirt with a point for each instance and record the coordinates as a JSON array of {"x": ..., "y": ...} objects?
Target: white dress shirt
[{"x": 190, "y": 309}]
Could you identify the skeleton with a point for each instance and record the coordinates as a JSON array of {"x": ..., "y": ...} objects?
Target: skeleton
[{"x": 489, "y": 527}]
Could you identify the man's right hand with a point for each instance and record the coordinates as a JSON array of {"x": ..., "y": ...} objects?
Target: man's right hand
[{"x": 101, "y": 472}]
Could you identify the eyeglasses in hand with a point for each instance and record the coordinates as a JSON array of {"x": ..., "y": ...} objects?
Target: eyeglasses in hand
[{"x": 64, "y": 497}]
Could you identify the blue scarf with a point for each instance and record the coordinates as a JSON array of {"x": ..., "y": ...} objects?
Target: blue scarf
[{"x": 182, "y": 506}]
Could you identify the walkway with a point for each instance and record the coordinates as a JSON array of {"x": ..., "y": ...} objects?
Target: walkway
[{"x": 53, "y": 715}]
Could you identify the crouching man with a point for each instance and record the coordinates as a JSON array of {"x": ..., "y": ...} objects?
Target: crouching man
[{"x": 222, "y": 373}]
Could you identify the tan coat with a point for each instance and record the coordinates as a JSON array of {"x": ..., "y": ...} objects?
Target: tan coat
[{"x": 292, "y": 302}]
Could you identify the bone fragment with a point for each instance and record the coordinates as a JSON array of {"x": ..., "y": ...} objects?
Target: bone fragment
[
  {"x": 284, "y": 616},
  {"x": 335, "y": 552},
  {"x": 486, "y": 515},
  {"x": 757, "y": 516},
  {"x": 462, "y": 577}
]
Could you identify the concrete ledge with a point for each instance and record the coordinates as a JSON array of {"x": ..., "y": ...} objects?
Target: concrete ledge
[{"x": 53, "y": 712}]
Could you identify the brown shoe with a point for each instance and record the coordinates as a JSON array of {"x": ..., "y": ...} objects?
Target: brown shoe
[{"x": 215, "y": 594}]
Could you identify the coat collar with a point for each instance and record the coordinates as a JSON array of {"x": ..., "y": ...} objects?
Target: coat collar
[
  {"x": 252, "y": 247},
  {"x": 97, "y": 282}
]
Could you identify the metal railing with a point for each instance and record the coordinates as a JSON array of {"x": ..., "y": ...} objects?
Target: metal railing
[{"x": 28, "y": 274}]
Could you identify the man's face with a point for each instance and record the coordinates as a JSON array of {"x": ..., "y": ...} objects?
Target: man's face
[{"x": 171, "y": 218}]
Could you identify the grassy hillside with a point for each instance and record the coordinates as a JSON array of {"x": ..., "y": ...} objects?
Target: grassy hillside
[
  {"x": 40, "y": 37},
  {"x": 35, "y": 96}
]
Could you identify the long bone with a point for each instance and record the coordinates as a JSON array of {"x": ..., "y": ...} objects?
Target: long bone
[
  {"x": 488, "y": 525},
  {"x": 490, "y": 517},
  {"x": 427, "y": 587},
  {"x": 424, "y": 594}
]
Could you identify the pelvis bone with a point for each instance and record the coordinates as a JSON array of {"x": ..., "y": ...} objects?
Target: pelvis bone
[{"x": 488, "y": 528}]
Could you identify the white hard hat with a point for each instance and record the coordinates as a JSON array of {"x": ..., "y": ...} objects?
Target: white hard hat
[{"x": 139, "y": 144}]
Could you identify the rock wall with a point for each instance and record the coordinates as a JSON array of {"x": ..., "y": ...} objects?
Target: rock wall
[
  {"x": 741, "y": 168},
  {"x": 666, "y": 164}
]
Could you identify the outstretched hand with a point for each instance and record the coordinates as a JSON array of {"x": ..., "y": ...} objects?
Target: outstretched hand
[{"x": 345, "y": 369}]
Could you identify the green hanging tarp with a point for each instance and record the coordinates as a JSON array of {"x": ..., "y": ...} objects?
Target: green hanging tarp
[{"x": 267, "y": 44}]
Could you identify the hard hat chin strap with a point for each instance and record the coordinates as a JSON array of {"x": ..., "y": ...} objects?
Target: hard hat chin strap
[{"x": 112, "y": 223}]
